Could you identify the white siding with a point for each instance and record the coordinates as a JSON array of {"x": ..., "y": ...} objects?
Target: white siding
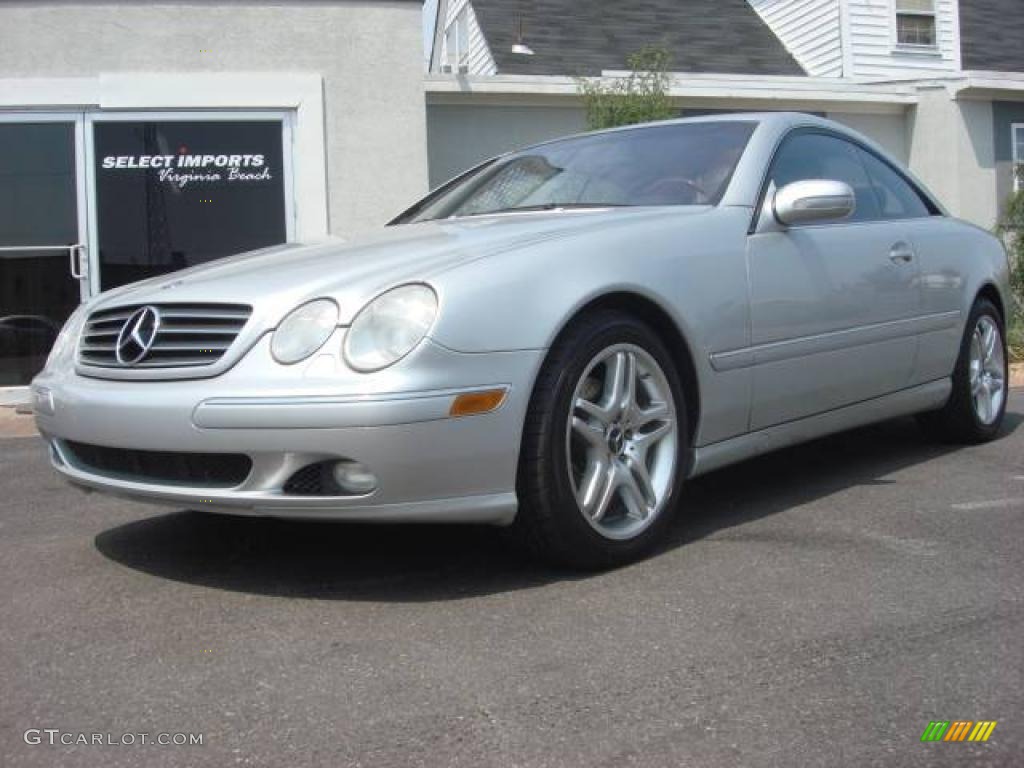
[
  {"x": 810, "y": 31},
  {"x": 480, "y": 60},
  {"x": 874, "y": 54}
]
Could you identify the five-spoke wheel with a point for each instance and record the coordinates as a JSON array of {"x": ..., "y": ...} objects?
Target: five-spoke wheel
[
  {"x": 974, "y": 411},
  {"x": 603, "y": 446},
  {"x": 987, "y": 370},
  {"x": 621, "y": 441}
]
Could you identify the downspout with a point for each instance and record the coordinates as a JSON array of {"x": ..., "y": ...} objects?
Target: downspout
[{"x": 845, "y": 41}]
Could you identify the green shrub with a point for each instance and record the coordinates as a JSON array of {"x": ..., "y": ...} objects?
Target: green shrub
[
  {"x": 639, "y": 97},
  {"x": 1012, "y": 229}
]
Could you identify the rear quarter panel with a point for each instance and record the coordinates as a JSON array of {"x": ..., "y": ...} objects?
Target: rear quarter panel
[{"x": 957, "y": 261}]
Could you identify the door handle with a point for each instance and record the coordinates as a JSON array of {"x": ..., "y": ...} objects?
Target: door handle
[
  {"x": 76, "y": 253},
  {"x": 901, "y": 253},
  {"x": 77, "y": 265}
]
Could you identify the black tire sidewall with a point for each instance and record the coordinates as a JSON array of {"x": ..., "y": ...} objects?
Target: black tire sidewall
[
  {"x": 962, "y": 400},
  {"x": 582, "y": 543}
]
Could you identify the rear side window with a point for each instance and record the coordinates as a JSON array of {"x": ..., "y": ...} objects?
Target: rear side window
[
  {"x": 806, "y": 156},
  {"x": 897, "y": 199}
]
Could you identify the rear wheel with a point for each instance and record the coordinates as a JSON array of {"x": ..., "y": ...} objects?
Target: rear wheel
[
  {"x": 975, "y": 410},
  {"x": 600, "y": 468}
]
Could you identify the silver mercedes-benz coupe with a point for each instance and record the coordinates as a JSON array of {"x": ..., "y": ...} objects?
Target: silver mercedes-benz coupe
[{"x": 554, "y": 341}]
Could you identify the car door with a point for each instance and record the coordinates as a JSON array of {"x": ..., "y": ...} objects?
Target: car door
[
  {"x": 832, "y": 303},
  {"x": 939, "y": 246}
]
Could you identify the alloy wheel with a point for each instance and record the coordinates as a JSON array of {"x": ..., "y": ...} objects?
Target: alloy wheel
[
  {"x": 622, "y": 441},
  {"x": 987, "y": 370}
]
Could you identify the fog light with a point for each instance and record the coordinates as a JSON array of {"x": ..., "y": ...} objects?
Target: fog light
[{"x": 354, "y": 478}]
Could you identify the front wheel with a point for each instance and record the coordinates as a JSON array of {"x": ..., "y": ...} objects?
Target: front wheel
[
  {"x": 601, "y": 467},
  {"x": 975, "y": 409}
]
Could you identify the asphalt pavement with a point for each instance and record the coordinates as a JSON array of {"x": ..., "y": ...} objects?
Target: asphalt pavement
[{"x": 819, "y": 606}]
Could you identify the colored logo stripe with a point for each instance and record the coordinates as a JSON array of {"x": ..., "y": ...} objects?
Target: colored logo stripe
[
  {"x": 983, "y": 730},
  {"x": 958, "y": 730}
]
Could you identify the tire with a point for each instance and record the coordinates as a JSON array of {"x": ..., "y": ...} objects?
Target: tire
[
  {"x": 632, "y": 462},
  {"x": 962, "y": 419}
]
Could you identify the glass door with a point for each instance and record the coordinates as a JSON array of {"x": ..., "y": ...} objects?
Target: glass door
[{"x": 43, "y": 265}]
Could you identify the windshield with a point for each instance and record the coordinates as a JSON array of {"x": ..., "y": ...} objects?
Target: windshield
[{"x": 677, "y": 164}]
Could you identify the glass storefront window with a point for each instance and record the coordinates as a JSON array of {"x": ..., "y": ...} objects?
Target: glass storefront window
[
  {"x": 175, "y": 193},
  {"x": 38, "y": 223}
]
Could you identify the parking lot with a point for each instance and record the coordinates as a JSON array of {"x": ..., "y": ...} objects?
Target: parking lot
[{"x": 815, "y": 607}]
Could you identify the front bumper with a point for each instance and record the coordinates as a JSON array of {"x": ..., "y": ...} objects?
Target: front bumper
[{"x": 429, "y": 466}]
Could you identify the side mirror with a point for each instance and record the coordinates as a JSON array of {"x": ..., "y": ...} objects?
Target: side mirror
[{"x": 813, "y": 200}]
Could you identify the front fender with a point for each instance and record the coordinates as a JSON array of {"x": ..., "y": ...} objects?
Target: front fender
[{"x": 693, "y": 266}]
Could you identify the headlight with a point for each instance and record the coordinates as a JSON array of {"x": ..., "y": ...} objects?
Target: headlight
[
  {"x": 65, "y": 342},
  {"x": 389, "y": 327},
  {"x": 303, "y": 331}
]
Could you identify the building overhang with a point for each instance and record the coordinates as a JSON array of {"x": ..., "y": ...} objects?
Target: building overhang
[
  {"x": 696, "y": 91},
  {"x": 988, "y": 86}
]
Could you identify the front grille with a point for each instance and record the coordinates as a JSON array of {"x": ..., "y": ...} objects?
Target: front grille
[
  {"x": 206, "y": 470},
  {"x": 187, "y": 335}
]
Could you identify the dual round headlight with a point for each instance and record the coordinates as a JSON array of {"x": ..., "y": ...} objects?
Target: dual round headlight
[
  {"x": 384, "y": 331},
  {"x": 304, "y": 330},
  {"x": 389, "y": 327}
]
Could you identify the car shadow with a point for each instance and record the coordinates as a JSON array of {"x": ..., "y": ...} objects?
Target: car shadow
[
  {"x": 795, "y": 476},
  {"x": 410, "y": 563}
]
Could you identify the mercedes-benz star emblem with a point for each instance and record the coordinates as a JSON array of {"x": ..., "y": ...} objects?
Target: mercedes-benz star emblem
[{"x": 137, "y": 335}]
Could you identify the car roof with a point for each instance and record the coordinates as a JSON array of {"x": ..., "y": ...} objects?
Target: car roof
[
  {"x": 776, "y": 123},
  {"x": 780, "y": 120}
]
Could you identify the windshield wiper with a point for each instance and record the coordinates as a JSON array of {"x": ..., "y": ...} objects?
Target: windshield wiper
[{"x": 541, "y": 207}]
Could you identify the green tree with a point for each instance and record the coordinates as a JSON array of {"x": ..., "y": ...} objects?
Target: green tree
[
  {"x": 639, "y": 97},
  {"x": 1011, "y": 226}
]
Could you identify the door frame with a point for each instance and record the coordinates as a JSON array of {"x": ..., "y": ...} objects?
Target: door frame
[
  {"x": 84, "y": 120},
  {"x": 300, "y": 95},
  {"x": 82, "y": 207},
  {"x": 14, "y": 395}
]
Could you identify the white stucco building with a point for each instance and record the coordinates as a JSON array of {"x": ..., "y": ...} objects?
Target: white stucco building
[{"x": 137, "y": 138}]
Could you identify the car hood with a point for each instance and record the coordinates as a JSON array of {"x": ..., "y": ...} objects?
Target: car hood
[{"x": 275, "y": 280}]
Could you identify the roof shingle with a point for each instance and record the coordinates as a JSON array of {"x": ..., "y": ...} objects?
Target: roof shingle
[{"x": 584, "y": 37}]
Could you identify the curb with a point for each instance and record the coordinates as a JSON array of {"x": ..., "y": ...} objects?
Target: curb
[
  {"x": 1017, "y": 374},
  {"x": 15, "y": 423}
]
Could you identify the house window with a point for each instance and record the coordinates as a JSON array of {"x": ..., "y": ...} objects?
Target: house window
[
  {"x": 1017, "y": 136},
  {"x": 457, "y": 43},
  {"x": 462, "y": 35},
  {"x": 915, "y": 22}
]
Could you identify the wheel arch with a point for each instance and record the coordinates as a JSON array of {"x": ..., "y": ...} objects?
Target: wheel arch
[
  {"x": 991, "y": 292},
  {"x": 661, "y": 322}
]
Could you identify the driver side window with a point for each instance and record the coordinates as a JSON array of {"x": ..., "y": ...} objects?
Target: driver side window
[{"x": 805, "y": 156}]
